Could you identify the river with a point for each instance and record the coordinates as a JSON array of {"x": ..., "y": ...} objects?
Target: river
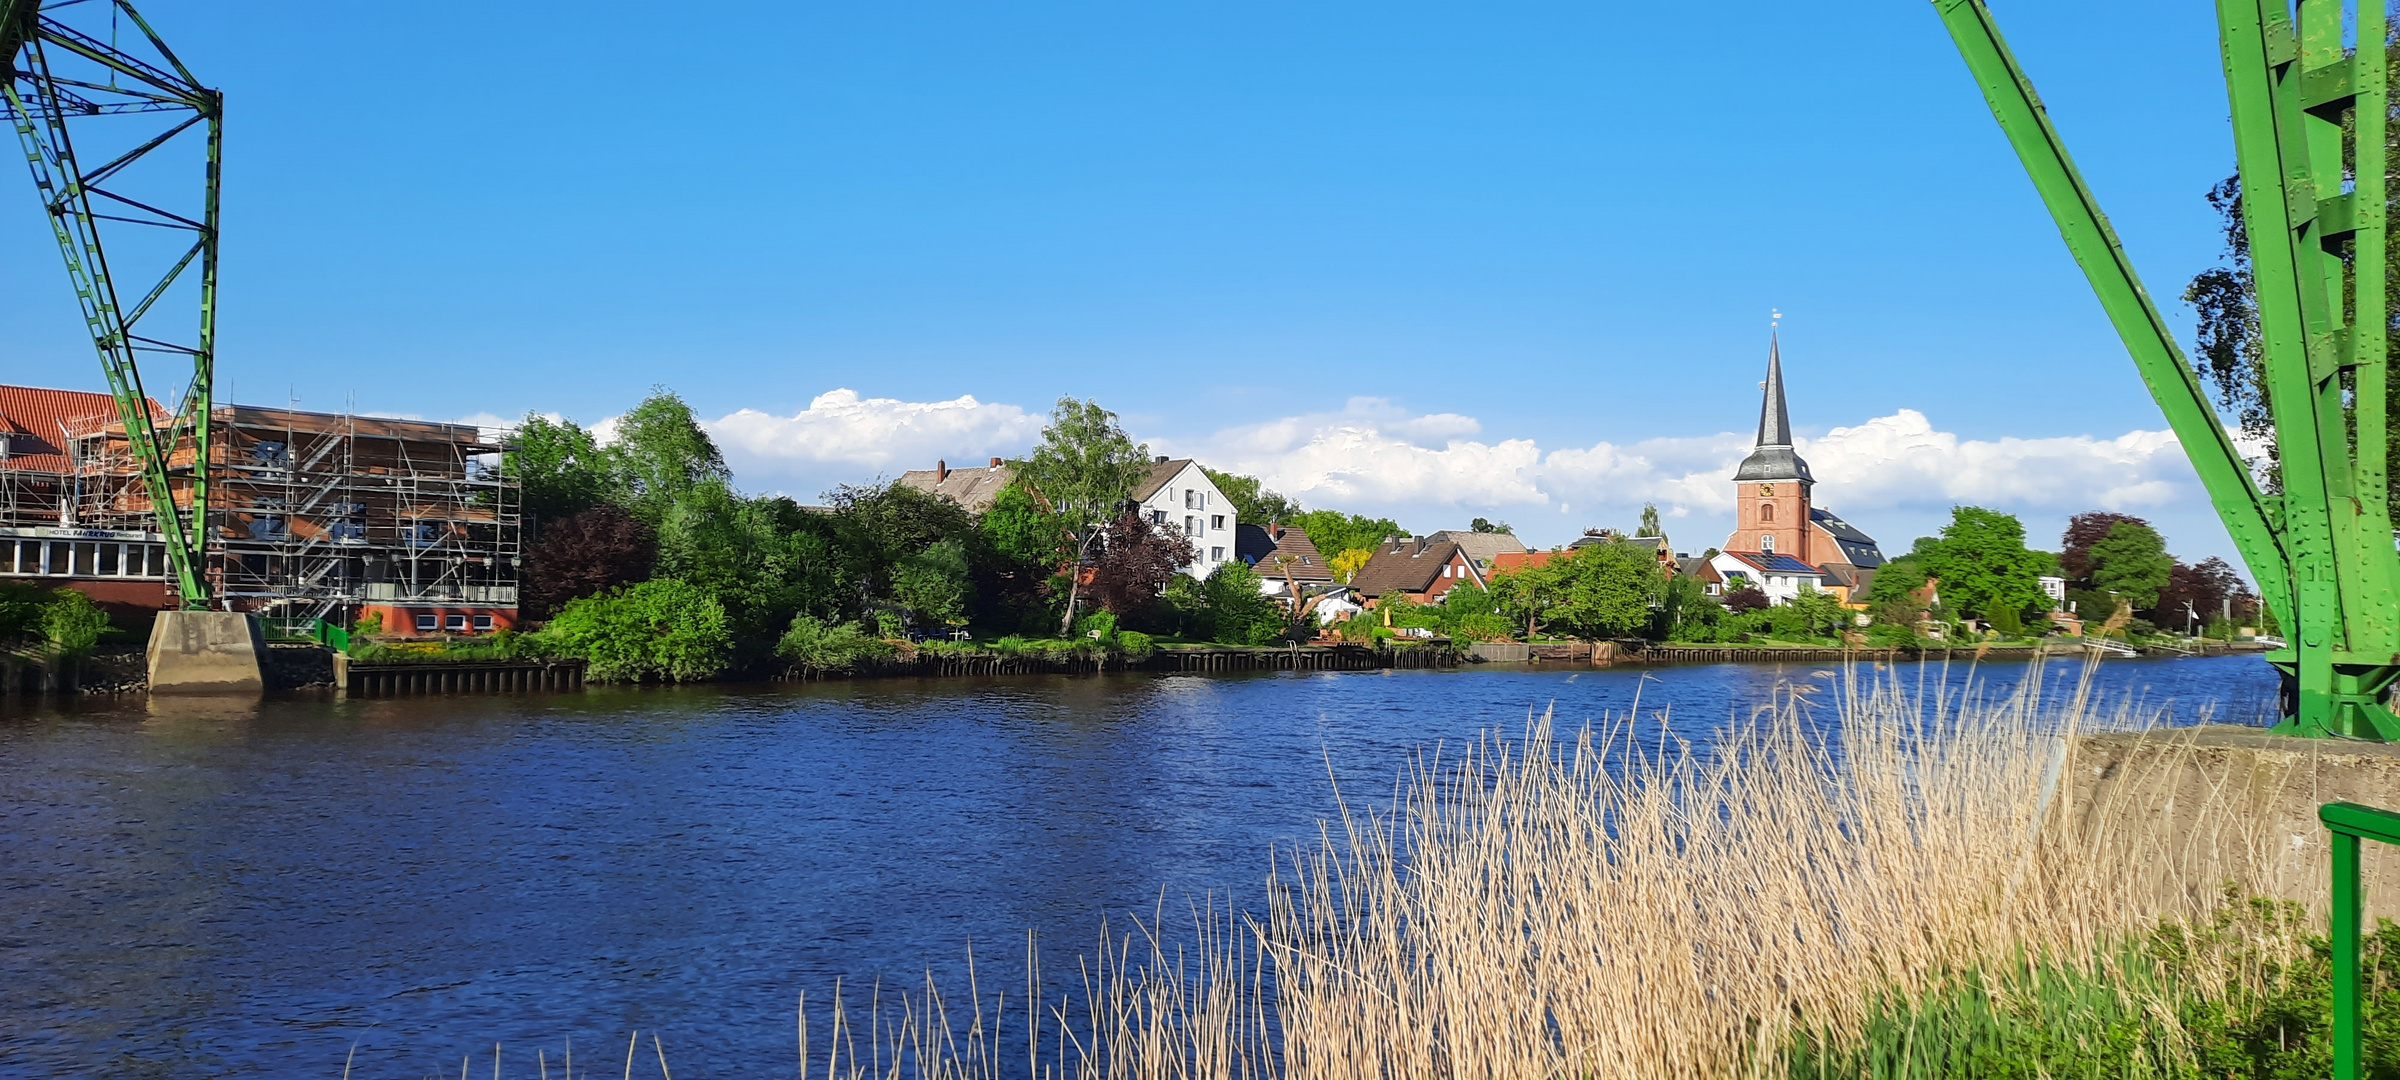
[{"x": 199, "y": 888}]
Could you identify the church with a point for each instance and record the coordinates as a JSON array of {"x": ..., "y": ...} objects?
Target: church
[{"x": 1783, "y": 542}]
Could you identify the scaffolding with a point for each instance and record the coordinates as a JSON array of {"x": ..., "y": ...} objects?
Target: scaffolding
[{"x": 319, "y": 515}]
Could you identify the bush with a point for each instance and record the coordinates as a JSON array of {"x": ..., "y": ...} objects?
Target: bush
[
  {"x": 1100, "y": 626},
  {"x": 817, "y": 648},
  {"x": 72, "y": 623},
  {"x": 367, "y": 625},
  {"x": 664, "y": 629},
  {"x": 1238, "y": 613},
  {"x": 2007, "y": 622},
  {"x": 1136, "y": 645}
]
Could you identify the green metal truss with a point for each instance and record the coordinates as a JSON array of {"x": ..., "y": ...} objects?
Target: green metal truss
[
  {"x": 2321, "y": 549},
  {"x": 56, "y": 76}
]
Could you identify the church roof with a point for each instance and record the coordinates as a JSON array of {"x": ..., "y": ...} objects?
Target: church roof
[
  {"x": 1858, "y": 549},
  {"x": 1774, "y": 459}
]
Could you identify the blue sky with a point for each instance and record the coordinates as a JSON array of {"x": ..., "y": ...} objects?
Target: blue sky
[{"x": 1513, "y": 260}]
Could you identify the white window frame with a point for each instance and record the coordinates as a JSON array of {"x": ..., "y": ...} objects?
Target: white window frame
[{"x": 427, "y": 624}]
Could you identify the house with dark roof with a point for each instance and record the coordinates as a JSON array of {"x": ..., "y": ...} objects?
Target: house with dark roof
[
  {"x": 1774, "y": 504},
  {"x": 1284, "y": 557},
  {"x": 1481, "y": 547},
  {"x": 973, "y": 487},
  {"x": 1177, "y": 494},
  {"x": 1417, "y": 567},
  {"x": 1780, "y": 577}
]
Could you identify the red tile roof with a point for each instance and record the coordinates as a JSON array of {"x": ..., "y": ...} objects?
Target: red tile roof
[{"x": 31, "y": 416}]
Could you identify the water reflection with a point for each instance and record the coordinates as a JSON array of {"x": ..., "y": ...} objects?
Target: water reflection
[{"x": 207, "y": 886}]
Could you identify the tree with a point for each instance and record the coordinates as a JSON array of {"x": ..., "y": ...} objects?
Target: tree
[
  {"x": 2075, "y": 545},
  {"x": 876, "y": 526},
  {"x": 1137, "y": 560},
  {"x": 1487, "y": 525},
  {"x": 665, "y": 454},
  {"x": 1686, "y": 612},
  {"x": 1892, "y": 595},
  {"x": 1608, "y": 590},
  {"x": 2200, "y": 592},
  {"x": 1650, "y": 525},
  {"x": 933, "y": 583},
  {"x": 584, "y": 554},
  {"x": 1020, "y": 529},
  {"x": 1744, "y": 598},
  {"x": 1252, "y": 501},
  {"x": 1086, "y": 466},
  {"x": 2131, "y": 563},
  {"x": 816, "y": 647},
  {"x": 1335, "y": 533},
  {"x": 1346, "y": 564},
  {"x": 1238, "y": 614},
  {"x": 1983, "y": 564},
  {"x": 1526, "y": 596},
  {"x": 560, "y": 468}
]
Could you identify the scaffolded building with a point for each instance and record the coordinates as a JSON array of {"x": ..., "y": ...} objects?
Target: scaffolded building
[
  {"x": 122, "y": 565},
  {"x": 333, "y": 516}
]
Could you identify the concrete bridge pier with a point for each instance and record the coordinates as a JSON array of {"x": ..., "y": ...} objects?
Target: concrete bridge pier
[{"x": 206, "y": 652}]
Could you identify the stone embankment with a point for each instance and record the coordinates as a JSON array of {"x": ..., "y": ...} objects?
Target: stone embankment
[{"x": 2170, "y": 782}]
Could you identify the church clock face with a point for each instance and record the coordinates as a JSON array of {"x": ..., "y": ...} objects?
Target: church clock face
[{"x": 1766, "y": 489}]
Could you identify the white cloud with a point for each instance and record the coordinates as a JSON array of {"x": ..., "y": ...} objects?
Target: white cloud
[
  {"x": 1895, "y": 476},
  {"x": 844, "y": 437}
]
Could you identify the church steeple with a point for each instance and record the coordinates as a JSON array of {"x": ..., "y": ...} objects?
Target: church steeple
[
  {"x": 1774, "y": 459},
  {"x": 1774, "y": 421}
]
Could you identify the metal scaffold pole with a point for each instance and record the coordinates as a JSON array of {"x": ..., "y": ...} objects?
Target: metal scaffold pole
[
  {"x": 64, "y": 76},
  {"x": 2308, "y": 122}
]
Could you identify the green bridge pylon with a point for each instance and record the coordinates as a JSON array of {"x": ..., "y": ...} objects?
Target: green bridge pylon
[{"x": 2308, "y": 115}]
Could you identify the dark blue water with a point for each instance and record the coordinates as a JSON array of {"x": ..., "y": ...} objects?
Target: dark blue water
[{"x": 197, "y": 889}]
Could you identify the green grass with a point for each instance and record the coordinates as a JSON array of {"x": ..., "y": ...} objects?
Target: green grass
[
  {"x": 2248, "y": 997},
  {"x": 500, "y": 646}
]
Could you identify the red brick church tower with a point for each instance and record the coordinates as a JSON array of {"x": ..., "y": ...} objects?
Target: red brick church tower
[{"x": 1772, "y": 486}]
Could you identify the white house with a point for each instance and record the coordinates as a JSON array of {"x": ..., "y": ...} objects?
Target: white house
[
  {"x": 1180, "y": 496},
  {"x": 1780, "y": 577}
]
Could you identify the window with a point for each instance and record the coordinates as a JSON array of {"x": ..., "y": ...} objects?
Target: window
[
  {"x": 109, "y": 563},
  {"x": 458, "y": 623},
  {"x": 158, "y": 560},
  {"x": 1216, "y": 521},
  {"x": 1445, "y": 569},
  {"x": 1216, "y": 554},
  {"x": 427, "y": 624},
  {"x": 1158, "y": 517},
  {"x": 1766, "y": 544},
  {"x": 86, "y": 554},
  {"x": 1191, "y": 499},
  {"x": 483, "y": 624},
  {"x": 1191, "y": 526},
  {"x": 1766, "y": 511}
]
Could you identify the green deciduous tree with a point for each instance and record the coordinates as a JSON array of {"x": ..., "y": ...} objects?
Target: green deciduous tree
[
  {"x": 2132, "y": 563},
  {"x": 1334, "y": 532},
  {"x": 665, "y": 453},
  {"x": 1983, "y": 564},
  {"x": 1238, "y": 614},
  {"x": 561, "y": 468},
  {"x": 1253, "y": 502},
  {"x": 816, "y": 647},
  {"x": 1086, "y": 467},
  {"x": 934, "y": 584},
  {"x": 1595, "y": 592}
]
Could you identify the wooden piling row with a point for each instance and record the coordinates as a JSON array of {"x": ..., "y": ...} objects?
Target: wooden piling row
[{"x": 389, "y": 680}]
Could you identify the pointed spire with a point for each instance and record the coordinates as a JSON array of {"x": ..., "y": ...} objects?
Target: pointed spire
[
  {"x": 1774, "y": 421},
  {"x": 1774, "y": 458}
]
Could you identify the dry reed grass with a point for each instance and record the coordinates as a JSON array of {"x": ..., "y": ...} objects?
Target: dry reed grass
[{"x": 1588, "y": 905}]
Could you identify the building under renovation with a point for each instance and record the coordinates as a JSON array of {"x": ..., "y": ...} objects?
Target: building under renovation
[{"x": 311, "y": 514}]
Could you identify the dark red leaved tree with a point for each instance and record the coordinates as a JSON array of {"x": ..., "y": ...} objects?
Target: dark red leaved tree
[
  {"x": 1135, "y": 562},
  {"x": 583, "y": 554},
  {"x": 2084, "y": 530}
]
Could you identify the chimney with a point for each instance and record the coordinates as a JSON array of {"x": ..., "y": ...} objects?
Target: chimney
[
  {"x": 1162, "y": 459},
  {"x": 941, "y": 471},
  {"x": 995, "y": 463}
]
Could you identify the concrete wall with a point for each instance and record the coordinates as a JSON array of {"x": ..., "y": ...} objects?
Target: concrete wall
[
  {"x": 206, "y": 652},
  {"x": 2236, "y": 804}
]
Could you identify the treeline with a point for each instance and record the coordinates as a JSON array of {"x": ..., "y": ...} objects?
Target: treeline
[{"x": 647, "y": 563}]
